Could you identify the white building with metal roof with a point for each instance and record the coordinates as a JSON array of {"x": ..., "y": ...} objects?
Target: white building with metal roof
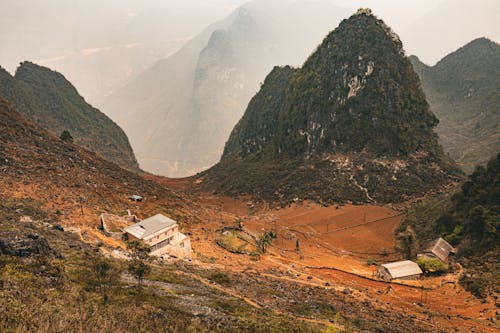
[
  {"x": 162, "y": 235},
  {"x": 404, "y": 270}
]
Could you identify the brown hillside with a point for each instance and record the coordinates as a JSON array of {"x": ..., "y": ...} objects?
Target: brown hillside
[{"x": 61, "y": 175}]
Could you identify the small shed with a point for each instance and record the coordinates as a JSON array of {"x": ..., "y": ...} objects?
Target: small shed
[
  {"x": 135, "y": 198},
  {"x": 404, "y": 270},
  {"x": 437, "y": 249}
]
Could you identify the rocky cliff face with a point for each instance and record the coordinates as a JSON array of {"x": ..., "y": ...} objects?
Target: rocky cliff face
[
  {"x": 351, "y": 124},
  {"x": 50, "y": 100},
  {"x": 180, "y": 112},
  {"x": 463, "y": 90}
]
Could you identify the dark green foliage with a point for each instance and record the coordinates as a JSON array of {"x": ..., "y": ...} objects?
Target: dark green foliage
[
  {"x": 265, "y": 239},
  {"x": 47, "y": 98},
  {"x": 476, "y": 208},
  {"x": 469, "y": 219},
  {"x": 257, "y": 126},
  {"x": 106, "y": 275},
  {"x": 407, "y": 243},
  {"x": 463, "y": 90},
  {"x": 139, "y": 250},
  {"x": 138, "y": 266},
  {"x": 432, "y": 266},
  {"x": 337, "y": 128},
  {"x": 66, "y": 136}
]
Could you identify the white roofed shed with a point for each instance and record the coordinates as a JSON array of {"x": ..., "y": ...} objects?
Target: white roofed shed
[{"x": 406, "y": 270}]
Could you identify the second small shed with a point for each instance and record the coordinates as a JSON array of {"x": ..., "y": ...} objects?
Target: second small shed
[
  {"x": 437, "y": 249},
  {"x": 404, "y": 270}
]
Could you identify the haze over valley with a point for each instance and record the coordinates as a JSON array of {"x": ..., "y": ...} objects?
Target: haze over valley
[
  {"x": 249, "y": 166},
  {"x": 131, "y": 58}
]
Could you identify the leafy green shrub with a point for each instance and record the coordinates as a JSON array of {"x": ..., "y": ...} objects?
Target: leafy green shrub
[
  {"x": 66, "y": 136},
  {"x": 476, "y": 285},
  {"x": 432, "y": 266}
]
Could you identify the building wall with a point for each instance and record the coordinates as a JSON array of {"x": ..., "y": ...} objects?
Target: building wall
[
  {"x": 181, "y": 250},
  {"x": 171, "y": 234},
  {"x": 410, "y": 277},
  {"x": 383, "y": 273}
]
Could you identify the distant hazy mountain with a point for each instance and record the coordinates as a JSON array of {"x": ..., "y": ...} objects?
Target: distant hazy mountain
[
  {"x": 51, "y": 101},
  {"x": 463, "y": 90},
  {"x": 351, "y": 124},
  {"x": 100, "y": 45},
  {"x": 449, "y": 25},
  {"x": 179, "y": 113}
]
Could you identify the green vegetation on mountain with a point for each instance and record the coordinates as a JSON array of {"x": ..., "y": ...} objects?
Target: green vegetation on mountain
[
  {"x": 469, "y": 219},
  {"x": 463, "y": 90},
  {"x": 50, "y": 100},
  {"x": 351, "y": 124}
]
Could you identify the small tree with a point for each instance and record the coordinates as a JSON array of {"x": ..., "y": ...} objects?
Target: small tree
[
  {"x": 66, "y": 136},
  {"x": 408, "y": 243},
  {"x": 264, "y": 240},
  {"x": 138, "y": 266},
  {"x": 105, "y": 275},
  {"x": 432, "y": 266}
]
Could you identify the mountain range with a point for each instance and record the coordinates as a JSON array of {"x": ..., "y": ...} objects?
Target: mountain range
[
  {"x": 451, "y": 23},
  {"x": 463, "y": 90},
  {"x": 101, "y": 45},
  {"x": 351, "y": 124},
  {"x": 46, "y": 97},
  {"x": 179, "y": 112}
]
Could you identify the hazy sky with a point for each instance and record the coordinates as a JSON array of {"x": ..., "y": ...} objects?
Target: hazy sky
[
  {"x": 94, "y": 23},
  {"x": 100, "y": 44},
  {"x": 397, "y": 13}
]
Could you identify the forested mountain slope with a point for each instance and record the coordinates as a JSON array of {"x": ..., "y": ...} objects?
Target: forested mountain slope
[
  {"x": 49, "y": 99},
  {"x": 463, "y": 90},
  {"x": 351, "y": 124}
]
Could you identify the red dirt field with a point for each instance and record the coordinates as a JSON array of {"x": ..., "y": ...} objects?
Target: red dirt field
[{"x": 334, "y": 245}]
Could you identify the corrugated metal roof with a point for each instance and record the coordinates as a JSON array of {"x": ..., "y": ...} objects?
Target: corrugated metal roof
[
  {"x": 401, "y": 269},
  {"x": 149, "y": 226},
  {"x": 440, "y": 248}
]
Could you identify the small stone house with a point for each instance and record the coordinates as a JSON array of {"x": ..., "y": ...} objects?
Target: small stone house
[
  {"x": 162, "y": 235},
  {"x": 437, "y": 249},
  {"x": 403, "y": 270}
]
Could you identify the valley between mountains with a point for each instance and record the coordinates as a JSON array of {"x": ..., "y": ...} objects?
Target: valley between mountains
[
  {"x": 333, "y": 174},
  {"x": 328, "y": 281}
]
